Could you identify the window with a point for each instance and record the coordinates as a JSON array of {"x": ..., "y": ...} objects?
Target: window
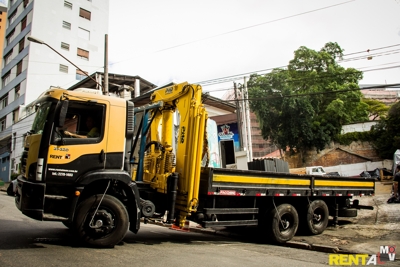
[
  {"x": 65, "y": 46},
  {"x": 84, "y": 14},
  {"x": 17, "y": 91},
  {"x": 11, "y": 18},
  {"x": 83, "y": 54},
  {"x": 6, "y": 79},
  {"x": 66, "y": 25},
  {"x": 64, "y": 68},
  {"x": 84, "y": 34},
  {"x": 68, "y": 4},
  {"x": 2, "y": 124},
  {"x": 14, "y": 141},
  {"x": 26, "y": 2},
  {"x": 23, "y": 139},
  {"x": 19, "y": 68},
  {"x": 10, "y": 37},
  {"x": 21, "y": 45},
  {"x": 23, "y": 24},
  {"x": 4, "y": 102},
  {"x": 83, "y": 124},
  {"x": 15, "y": 115},
  {"x": 80, "y": 75},
  {"x": 7, "y": 58}
]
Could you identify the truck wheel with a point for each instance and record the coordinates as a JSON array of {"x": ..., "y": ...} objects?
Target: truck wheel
[
  {"x": 317, "y": 217},
  {"x": 284, "y": 221},
  {"x": 109, "y": 225}
]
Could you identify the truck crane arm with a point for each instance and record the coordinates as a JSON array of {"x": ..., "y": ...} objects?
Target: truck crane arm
[{"x": 166, "y": 151}]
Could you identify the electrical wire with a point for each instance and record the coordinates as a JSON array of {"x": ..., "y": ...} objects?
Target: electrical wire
[
  {"x": 315, "y": 93},
  {"x": 242, "y": 29}
]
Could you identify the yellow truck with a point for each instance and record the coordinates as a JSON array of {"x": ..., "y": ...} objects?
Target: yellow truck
[{"x": 146, "y": 163}]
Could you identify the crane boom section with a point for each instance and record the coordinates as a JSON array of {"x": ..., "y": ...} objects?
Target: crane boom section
[{"x": 177, "y": 131}]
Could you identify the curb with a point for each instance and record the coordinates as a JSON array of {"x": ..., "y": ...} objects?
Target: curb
[
  {"x": 291, "y": 244},
  {"x": 325, "y": 248}
]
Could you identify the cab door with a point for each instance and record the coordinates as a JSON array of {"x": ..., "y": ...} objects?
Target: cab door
[{"x": 75, "y": 148}]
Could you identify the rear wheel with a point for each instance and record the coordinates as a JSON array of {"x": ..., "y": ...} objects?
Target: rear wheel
[
  {"x": 317, "y": 217},
  {"x": 105, "y": 227},
  {"x": 284, "y": 222}
]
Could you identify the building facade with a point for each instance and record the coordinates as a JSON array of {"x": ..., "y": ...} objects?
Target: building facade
[{"x": 75, "y": 28}]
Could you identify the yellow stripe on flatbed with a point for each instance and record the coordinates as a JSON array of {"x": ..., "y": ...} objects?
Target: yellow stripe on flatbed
[
  {"x": 286, "y": 181},
  {"x": 258, "y": 180},
  {"x": 344, "y": 183}
]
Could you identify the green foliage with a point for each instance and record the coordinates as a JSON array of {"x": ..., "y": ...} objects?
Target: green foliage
[
  {"x": 376, "y": 108},
  {"x": 304, "y": 106},
  {"x": 346, "y": 139},
  {"x": 386, "y": 134},
  {"x": 14, "y": 176}
]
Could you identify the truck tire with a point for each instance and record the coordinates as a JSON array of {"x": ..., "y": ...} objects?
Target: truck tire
[
  {"x": 109, "y": 225},
  {"x": 284, "y": 222},
  {"x": 348, "y": 213},
  {"x": 317, "y": 217}
]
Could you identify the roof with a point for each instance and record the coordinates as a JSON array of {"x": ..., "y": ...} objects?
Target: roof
[
  {"x": 146, "y": 89},
  {"x": 115, "y": 81}
]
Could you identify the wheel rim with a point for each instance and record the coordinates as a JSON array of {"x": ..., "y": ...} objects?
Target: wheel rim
[
  {"x": 103, "y": 222},
  {"x": 286, "y": 222},
  {"x": 318, "y": 217}
]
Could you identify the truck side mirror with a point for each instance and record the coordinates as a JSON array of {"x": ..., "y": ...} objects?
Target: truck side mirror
[{"x": 63, "y": 107}]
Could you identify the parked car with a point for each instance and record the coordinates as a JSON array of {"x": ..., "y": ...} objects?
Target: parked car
[{"x": 12, "y": 187}]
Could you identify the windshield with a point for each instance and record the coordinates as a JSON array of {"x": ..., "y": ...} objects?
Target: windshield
[{"x": 41, "y": 117}]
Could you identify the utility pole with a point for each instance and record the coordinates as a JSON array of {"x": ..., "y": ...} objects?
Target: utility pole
[
  {"x": 243, "y": 120},
  {"x": 238, "y": 116},
  {"x": 105, "y": 87},
  {"x": 248, "y": 123}
]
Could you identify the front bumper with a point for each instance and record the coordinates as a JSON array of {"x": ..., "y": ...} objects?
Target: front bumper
[{"x": 29, "y": 198}]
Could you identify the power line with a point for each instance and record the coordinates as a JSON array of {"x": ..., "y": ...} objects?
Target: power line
[
  {"x": 314, "y": 93},
  {"x": 244, "y": 28},
  {"x": 240, "y": 76},
  {"x": 369, "y": 50}
]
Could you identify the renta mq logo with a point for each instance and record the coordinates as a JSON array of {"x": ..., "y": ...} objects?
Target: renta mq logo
[{"x": 386, "y": 253}]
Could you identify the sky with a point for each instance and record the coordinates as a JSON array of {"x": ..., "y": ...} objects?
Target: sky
[{"x": 200, "y": 41}]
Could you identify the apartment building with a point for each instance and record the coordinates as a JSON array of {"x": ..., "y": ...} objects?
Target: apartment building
[{"x": 75, "y": 29}]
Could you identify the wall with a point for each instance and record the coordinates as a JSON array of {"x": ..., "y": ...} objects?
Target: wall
[
  {"x": 356, "y": 169},
  {"x": 358, "y": 127},
  {"x": 335, "y": 154}
]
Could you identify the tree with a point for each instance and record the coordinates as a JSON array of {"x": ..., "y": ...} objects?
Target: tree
[
  {"x": 376, "y": 108},
  {"x": 305, "y": 105},
  {"x": 387, "y": 133}
]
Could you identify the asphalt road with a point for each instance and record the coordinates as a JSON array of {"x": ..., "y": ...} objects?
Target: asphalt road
[{"x": 27, "y": 242}]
